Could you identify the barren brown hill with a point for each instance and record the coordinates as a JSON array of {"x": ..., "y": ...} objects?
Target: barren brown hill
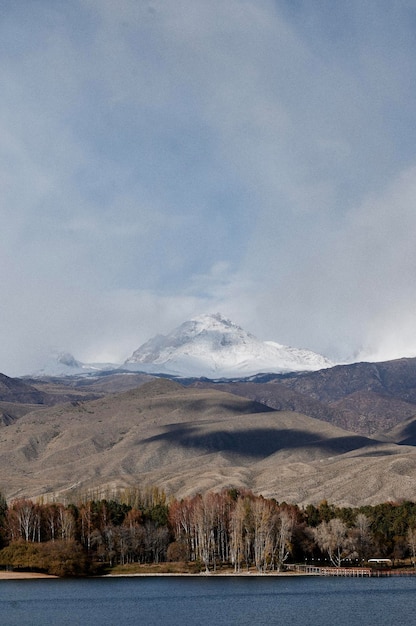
[
  {"x": 392, "y": 378},
  {"x": 366, "y": 398},
  {"x": 404, "y": 433},
  {"x": 190, "y": 440},
  {"x": 278, "y": 396},
  {"x": 16, "y": 390},
  {"x": 18, "y": 398},
  {"x": 372, "y": 396},
  {"x": 12, "y": 411}
]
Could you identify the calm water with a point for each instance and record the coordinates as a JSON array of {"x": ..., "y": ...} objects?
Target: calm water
[{"x": 183, "y": 601}]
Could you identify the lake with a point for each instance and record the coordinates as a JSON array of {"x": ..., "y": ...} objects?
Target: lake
[{"x": 209, "y": 600}]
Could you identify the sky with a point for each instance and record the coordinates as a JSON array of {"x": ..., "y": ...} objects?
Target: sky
[{"x": 160, "y": 159}]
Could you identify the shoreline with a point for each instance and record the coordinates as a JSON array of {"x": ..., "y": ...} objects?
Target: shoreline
[
  {"x": 23, "y": 575},
  {"x": 38, "y": 575}
]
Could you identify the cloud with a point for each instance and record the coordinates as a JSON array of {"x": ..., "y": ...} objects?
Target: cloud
[
  {"x": 382, "y": 266},
  {"x": 159, "y": 160},
  {"x": 351, "y": 291}
]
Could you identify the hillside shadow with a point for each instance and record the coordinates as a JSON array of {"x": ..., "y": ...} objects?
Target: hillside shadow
[
  {"x": 408, "y": 435},
  {"x": 258, "y": 442}
]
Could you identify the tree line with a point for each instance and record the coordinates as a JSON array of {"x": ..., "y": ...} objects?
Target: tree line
[{"x": 231, "y": 528}]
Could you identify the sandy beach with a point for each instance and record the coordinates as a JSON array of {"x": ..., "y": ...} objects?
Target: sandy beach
[{"x": 23, "y": 575}]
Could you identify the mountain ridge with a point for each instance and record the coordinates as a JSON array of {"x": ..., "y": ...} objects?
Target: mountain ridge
[{"x": 366, "y": 398}]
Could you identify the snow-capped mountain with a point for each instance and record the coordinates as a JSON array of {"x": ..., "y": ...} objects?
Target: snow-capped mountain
[
  {"x": 215, "y": 347},
  {"x": 64, "y": 364}
]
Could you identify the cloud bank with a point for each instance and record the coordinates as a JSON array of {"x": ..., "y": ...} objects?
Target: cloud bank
[{"x": 160, "y": 160}]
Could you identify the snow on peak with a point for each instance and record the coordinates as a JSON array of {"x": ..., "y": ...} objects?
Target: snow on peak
[
  {"x": 213, "y": 321},
  {"x": 213, "y": 346},
  {"x": 65, "y": 364}
]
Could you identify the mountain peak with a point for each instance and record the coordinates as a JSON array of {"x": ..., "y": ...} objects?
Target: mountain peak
[
  {"x": 213, "y": 325},
  {"x": 212, "y": 345},
  {"x": 212, "y": 320}
]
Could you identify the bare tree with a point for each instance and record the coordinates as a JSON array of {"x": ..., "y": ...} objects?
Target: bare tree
[
  {"x": 86, "y": 517},
  {"x": 51, "y": 516},
  {"x": 22, "y": 520},
  {"x": 264, "y": 522},
  {"x": 66, "y": 523},
  {"x": 333, "y": 538},
  {"x": 237, "y": 533},
  {"x": 361, "y": 535},
  {"x": 203, "y": 520},
  {"x": 181, "y": 519},
  {"x": 155, "y": 541},
  {"x": 411, "y": 540},
  {"x": 284, "y": 532}
]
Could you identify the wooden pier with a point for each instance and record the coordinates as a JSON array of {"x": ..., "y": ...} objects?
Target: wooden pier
[{"x": 350, "y": 572}]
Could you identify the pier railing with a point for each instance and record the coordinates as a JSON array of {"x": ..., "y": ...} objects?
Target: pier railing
[{"x": 356, "y": 572}]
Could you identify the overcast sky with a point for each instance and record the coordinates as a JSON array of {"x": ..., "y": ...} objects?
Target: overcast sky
[{"x": 165, "y": 158}]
